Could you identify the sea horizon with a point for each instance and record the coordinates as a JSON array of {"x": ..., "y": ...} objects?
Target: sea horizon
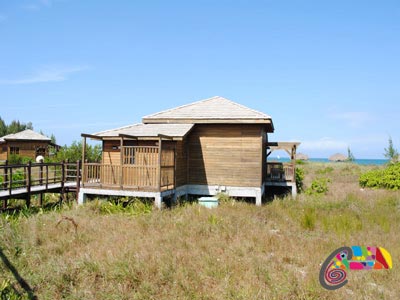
[{"x": 359, "y": 161}]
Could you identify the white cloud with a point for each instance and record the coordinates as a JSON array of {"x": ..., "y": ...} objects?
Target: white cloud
[
  {"x": 355, "y": 119},
  {"x": 47, "y": 74}
]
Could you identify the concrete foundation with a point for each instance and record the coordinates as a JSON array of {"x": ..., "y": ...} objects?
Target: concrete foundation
[{"x": 189, "y": 189}]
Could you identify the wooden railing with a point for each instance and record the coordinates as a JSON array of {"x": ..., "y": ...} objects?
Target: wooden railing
[
  {"x": 280, "y": 172},
  {"x": 127, "y": 176},
  {"x": 22, "y": 179},
  {"x": 141, "y": 169}
]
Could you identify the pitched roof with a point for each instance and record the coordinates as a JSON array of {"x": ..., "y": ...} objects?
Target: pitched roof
[
  {"x": 338, "y": 157},
  {"x": 216, "y": 109},
  {"x": 27, "y": 134},
  {"x": 148, "y": 130}
]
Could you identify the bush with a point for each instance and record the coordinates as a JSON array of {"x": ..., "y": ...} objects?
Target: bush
[
  {"x": 132, "y": 207},
  {"x": 15, "y": 159},
  {"x": 18, "y": 178},
  {"x": 325, "y": 170},
  {"x": 309, "y": 219},
  {"x": 299, "y": 179},
  {"x": 319, "y": 186},
  {"x": 388, "y": 178}
]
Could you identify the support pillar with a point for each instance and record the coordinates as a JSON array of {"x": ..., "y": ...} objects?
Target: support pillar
[
  {"x": 294, "y": 191},
  {"x": 158, "y": 200},
  {"x": 258, "y": 197},
  {"x": 81, "y": 197}
]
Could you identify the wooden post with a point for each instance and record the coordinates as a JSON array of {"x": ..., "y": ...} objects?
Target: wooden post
[
  {"x": 41, "y": 174},
  {"x": 159, "y": 164},
  {"x": 121, "y": 157},
  {"x": 11, "y": 181},
  {"x": 83, "y": 159},
  {"x": 28, "y": 184},
  {"x": 47, "y": 176},
  {"x": 174, "y": 165},
  {"x": 78, "y": 179},
  {"x": 62, "y": 180},
  {"x": 5, "y": 183}
]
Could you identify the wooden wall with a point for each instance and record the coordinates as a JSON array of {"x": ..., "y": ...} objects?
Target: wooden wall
[
  {"x": 111, "y": 151},
  {"x": 222, "y": 154},
  {"x": 26, "y": 148},
  {"x": 3, "y": 151},
  {"x": 181, "y": 163}
]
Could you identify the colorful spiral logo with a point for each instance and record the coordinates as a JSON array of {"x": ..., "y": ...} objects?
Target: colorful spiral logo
[{"x": 333, "y": 273}]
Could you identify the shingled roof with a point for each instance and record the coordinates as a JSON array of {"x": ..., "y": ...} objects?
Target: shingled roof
[
  {"x": 148, "y": 130},
  {"x": 26, "y": 135},
  {"x": 212, "y": 110}
]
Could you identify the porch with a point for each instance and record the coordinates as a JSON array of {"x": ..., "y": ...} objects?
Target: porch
[
  {"x": 282, "y": 174},
  {"x": 138, "y": 168}
]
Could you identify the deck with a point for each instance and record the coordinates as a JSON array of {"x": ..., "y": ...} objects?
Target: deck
[
  {"x": 280, "y": 172},
  {"x": 20, "y": 181}
]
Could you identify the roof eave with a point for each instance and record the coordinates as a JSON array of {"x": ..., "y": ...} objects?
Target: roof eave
[
  {"x": 139, "y": 138},
  {"x": 207, "y": 121},
  {"x": 27, "y": 140}
]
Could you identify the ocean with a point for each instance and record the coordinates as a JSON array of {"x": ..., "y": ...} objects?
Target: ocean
[{"x": 325, "y": 160}]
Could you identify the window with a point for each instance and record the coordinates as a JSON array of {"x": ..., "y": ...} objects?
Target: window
[
  {"x": 129, "y": 155},
  {"x": 14, "y": 150},
  {"x": 40, "y": 151}
]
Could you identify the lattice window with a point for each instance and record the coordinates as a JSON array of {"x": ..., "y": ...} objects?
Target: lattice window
[
  {"x": 129, "y": 155},
  {"x": 14, "y": 150},
  {"x": 40, "y": 151}
]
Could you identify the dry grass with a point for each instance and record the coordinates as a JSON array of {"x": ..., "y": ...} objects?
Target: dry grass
[{"x": 237, "y": 251}]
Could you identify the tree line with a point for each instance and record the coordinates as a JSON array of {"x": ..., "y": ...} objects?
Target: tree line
[{"x": 14, "y": 127}]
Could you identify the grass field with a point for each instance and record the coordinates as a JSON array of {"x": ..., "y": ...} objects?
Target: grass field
[{"x": 236, "y": 251}]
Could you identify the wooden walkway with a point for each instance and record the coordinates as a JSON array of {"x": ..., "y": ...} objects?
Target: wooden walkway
[{"x": 24, "y": 180}]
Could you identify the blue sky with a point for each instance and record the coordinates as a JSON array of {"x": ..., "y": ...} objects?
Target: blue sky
[{"x": 328, "y": 72}]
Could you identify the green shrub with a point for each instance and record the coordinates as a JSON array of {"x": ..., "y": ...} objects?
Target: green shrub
[
  {"x": 18, "y": 178},
  {"x": 319, "y": 186},
  {"x": 299, "y": 179},
  {"x": 388, "y": 178},
  {"x": 309, "y": 218},
  {"x": 129, "y": 207},
  {"x": 325, "y": 170},
  {"x": 224, "y": 198},
  {"x": 15, "y": 159},
  {"x": 7, "y": 291}
]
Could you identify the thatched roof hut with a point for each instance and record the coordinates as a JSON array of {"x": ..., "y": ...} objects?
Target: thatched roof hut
[
  {"x": 338, "y": 157},
  {"x": 301, "y": 156}
]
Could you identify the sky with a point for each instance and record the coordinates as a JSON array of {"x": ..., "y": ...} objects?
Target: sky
[{"x": 327, "y": 72}]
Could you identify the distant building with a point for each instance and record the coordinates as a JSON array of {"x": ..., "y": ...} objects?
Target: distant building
[{"x": 27, "y": 143}]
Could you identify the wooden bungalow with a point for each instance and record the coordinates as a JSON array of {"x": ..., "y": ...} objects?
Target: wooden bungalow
[
  {"x": 203, "y": 148},
  {"x": 26, "y": 143}
]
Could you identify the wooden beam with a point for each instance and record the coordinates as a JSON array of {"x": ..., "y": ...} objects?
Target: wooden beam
[
  {"x": 163, "y": 136},
  {"x": 83, "y": 158},
  {"x": 91, "y": 136},
  {"x": 127, "y": 136}
]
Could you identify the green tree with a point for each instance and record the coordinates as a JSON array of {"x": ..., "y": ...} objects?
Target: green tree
[
  {"x": 391, "y": 152},
  {"x": 3, "y": 128},
  {"x": 53, "y": 139},
  {"x": 73, "y": 152},
  {"x": 350, "y": 155}
]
